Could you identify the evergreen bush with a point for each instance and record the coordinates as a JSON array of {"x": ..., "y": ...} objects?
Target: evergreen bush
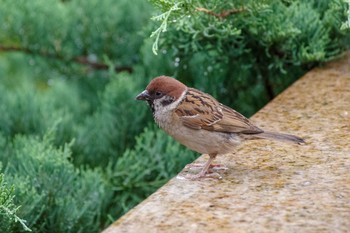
[
  {"x": 75, "y": 31},
  {"x": 143, "y": 169},
  {"x": 111, "y": 129},
  {"x": 53, "y": 194}
]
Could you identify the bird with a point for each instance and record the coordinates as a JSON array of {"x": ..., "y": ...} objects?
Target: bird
[{"x": 200, "y": 122}]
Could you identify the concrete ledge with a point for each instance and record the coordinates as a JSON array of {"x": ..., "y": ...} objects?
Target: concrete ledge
[{"x": 270, "y": 186}]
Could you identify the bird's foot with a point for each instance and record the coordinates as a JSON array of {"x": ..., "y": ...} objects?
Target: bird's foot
[
  {"x": 207, "y": 170},
  {"x": 209, "y": 175},
  {"x": 201, "y": 175},
  {"x": 197, "y": 166}
]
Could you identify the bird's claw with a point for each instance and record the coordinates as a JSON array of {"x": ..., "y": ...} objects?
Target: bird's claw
[
  {"x": 207, "y": 175},
  {"x": 195, "y": 166}
]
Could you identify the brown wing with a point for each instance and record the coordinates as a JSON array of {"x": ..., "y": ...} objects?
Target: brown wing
[
  {"x": 201, "y": 111},
  {"x": 235, "y": 122}
]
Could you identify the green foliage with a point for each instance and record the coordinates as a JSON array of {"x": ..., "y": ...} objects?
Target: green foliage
[
  {"x": 141, "y": 170},
  {"x": 71, "y": 29},
  {"x": 54, "y": 195},
  {"x": 100, "y": 133},
  {"x": 30, "y": 105},
  {"x": 8, "y": 217},
  {"x": 112, "y": 127},
  {"x": 250, "y": 50},
  {"x": 346, "y": 24}
]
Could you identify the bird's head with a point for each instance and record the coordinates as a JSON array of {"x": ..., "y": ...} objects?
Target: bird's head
[{"x": 161, "y": 92}]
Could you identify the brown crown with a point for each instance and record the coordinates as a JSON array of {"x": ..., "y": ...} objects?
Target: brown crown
[{"x": 166, "y": 85}]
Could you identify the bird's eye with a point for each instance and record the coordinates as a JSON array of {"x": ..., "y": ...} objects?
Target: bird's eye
[{"x": 158, "y": 93}]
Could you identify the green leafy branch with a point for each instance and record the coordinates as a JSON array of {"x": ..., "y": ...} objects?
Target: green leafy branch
[
  {"x": 12, "y": 214},
  {"x": 168, "y": 8},
  {"x": 163, "y": 27},
  {"x": 6, "y": 204},
  {"x": 346, "y": 24}
]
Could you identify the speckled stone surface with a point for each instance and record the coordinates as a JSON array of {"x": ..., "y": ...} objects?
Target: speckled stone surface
[{"x": 270, "y": 186}]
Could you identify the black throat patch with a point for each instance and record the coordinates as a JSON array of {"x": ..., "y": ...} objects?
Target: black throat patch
[{"x": 151, "y": 105}]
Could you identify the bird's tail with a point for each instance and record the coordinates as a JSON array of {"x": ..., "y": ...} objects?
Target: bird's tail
[{"x": 280, "y": 137}]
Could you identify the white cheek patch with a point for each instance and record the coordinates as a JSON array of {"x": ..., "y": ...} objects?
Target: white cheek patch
[{"x": 160, "y": 109}]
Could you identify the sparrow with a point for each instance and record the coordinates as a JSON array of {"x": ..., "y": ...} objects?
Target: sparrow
[{"x": 201, "y": 123}]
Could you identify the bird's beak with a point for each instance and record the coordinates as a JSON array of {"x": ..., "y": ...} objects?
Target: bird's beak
[{"x": 143, "y": 96}]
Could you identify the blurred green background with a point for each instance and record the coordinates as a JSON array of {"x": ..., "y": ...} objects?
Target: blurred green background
[{"x": 76, "y": 150}]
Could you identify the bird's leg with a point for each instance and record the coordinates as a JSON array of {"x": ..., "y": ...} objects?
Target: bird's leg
[
  {"x": 201, "y": 165},
  {"x": 204, "y": 173},
  {"x": 207, "y": 165},
  {"x": 195, "y": 166}
]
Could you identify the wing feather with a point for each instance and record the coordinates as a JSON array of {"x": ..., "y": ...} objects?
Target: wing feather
[{"x": 199, "y": 110}]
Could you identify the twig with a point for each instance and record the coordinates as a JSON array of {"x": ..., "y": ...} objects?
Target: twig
[
  {"x": 80, "y": 59},
  {"x": 222, "y": 14},
  {"x": 16, "y": 218},
  {"x": 100, "y": 66}
]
